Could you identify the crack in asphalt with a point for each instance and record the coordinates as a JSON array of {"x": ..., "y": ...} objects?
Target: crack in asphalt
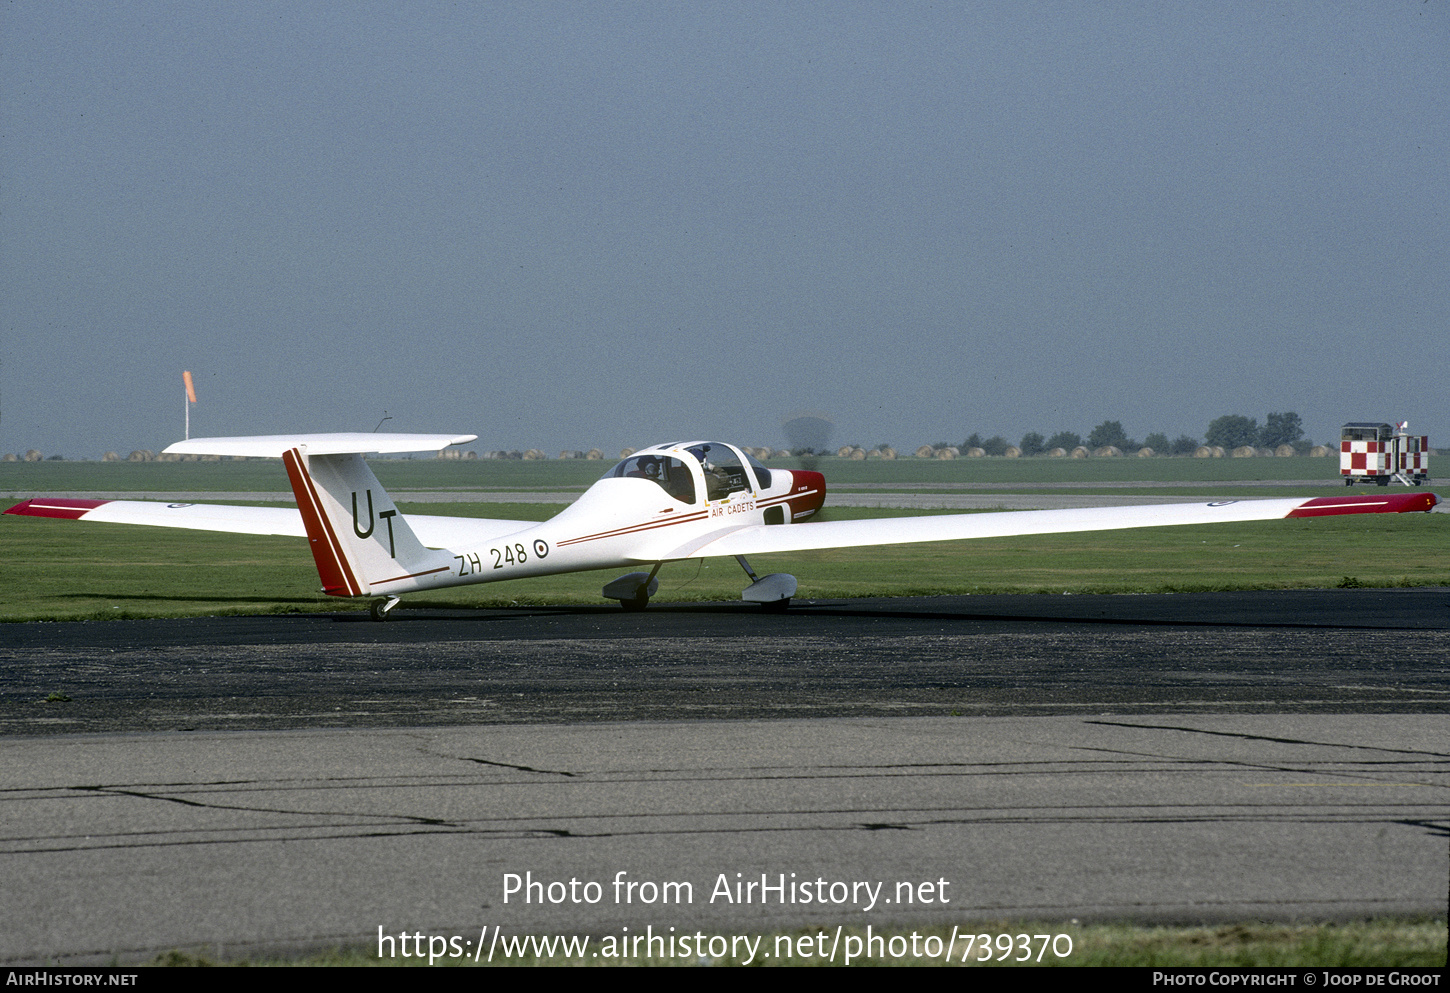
[{"x": 1261, "y": 737}]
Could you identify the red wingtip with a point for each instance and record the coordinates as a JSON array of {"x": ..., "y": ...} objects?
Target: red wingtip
[
  {"x": 70, "y": 510},
  {"x": 1388, "y": 503}
]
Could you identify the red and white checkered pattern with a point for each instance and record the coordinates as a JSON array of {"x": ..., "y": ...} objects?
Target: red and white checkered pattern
[
  {"x": 1413, "y": 455},
  {"x": 1407, "y": 454},
  {"x": 1364, "y": 458}
]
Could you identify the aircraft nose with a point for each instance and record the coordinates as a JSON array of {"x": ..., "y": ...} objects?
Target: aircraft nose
[{"x": 808, "y": 493}]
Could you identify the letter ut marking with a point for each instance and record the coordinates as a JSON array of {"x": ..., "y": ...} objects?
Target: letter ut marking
[{"x": 355, "y": 527}]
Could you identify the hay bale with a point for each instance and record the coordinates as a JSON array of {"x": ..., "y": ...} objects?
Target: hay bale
[
  {"x": 1285, "y": 451},
  {"x": 625, "y": 453},
  {"x": 857, "y": 455},
  {"x": 1245, "y": 452},
  {"x": 1012, "y": 452},
  {"x": 1080, "y": 452},
  {"x": 925, "y": 452},
  {"x": 9, "y": 457},
  {"x": 110, "y": 457},
  {"x": 1057, "y": 453},
  {"x": 976, "y": 453},
  {"x": 1107, "y": 451},
  {"x": 1203, "y": 452},
  {"x": 1218, "y": 452},
  {"x": 1146, "y": 453},
  {"x": 534, "y": 455},
  {"x": 1320, "y": 451},
  {"x": 944, "y": 453},
  {"x": 594, "y": 455},
  {"x": 33, "y": 455}
]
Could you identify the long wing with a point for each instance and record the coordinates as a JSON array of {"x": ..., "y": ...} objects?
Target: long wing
[
  {"x": 760, "y": 539},
  {"x": 432, "y": 531}
]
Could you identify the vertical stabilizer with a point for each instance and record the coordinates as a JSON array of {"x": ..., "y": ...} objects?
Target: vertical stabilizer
[{"x": 361, "y": 544}]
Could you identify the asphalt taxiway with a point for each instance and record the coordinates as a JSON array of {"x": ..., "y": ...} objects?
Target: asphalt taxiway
[{"x": 249, "y": 784}]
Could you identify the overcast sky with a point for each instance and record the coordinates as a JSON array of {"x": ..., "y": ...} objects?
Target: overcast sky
[{"x": 569, "y": 225}]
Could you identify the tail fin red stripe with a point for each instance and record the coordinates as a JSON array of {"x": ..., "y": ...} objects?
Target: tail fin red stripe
[{"x": 327, "y": 550}]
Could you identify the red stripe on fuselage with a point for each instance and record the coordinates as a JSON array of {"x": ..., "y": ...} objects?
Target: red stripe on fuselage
[
  {"x": 633, "y": 529},
  {"x": 411, "y": 575}
]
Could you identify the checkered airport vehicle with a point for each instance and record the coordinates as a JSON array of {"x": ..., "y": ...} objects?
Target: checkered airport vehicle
[{"x": 1378, "y": 453}]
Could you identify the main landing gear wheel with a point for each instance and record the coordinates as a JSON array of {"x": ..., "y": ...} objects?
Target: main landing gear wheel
[
  {"x": 381, "y": 607},
  {"x": 634, "y": 590}
]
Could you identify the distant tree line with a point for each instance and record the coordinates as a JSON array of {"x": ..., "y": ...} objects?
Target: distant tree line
[
  {"x": 1233, "y": 431},
  {"x": 1228, "y": 432}
]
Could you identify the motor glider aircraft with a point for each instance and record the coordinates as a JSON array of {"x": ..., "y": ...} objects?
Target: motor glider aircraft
[{"x": 671, "y": 502}]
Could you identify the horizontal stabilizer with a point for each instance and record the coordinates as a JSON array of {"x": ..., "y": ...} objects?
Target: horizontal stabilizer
[{"x": 348, "y": 443}]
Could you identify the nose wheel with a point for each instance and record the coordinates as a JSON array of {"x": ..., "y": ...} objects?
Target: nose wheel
[{"x": 772, "y": 592}]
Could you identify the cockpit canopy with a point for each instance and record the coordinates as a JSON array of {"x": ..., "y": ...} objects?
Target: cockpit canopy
[
  {"x": 724, "y": 474},
  {"x": 670, "y": 473},
  {"x": 719, "y": 465}
]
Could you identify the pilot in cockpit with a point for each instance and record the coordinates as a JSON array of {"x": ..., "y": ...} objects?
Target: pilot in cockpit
[
  {"x": 717, "y": 478},
  {"x": 646, "y": 467}
]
